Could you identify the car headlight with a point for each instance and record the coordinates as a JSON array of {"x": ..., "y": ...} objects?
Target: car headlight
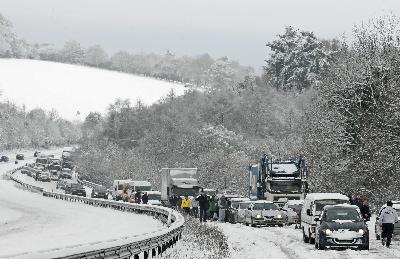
[
  {"x": 328, "y": 231},
  {"x": 279, "y": 216},
  {"x": 258, "y": 216},
  {"x": 96, "y": 193},
  {"x": 361, "y": 231}
]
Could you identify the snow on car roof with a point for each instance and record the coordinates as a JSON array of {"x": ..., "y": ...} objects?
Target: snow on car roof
[
  {"x": 262, "y": 201},
  {"x": 345, "y": 205},
  {"x": 295, "y": 202},
  {"x": 326, "y": 196},
  {"x": 152, "y": 192}
]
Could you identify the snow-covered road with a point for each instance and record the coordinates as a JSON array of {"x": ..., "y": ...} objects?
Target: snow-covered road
[
  {"x": 286, "y": 242},
  {"x": 31, "y": 223}
]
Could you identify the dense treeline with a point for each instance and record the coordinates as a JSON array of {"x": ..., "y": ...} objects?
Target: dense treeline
[{"x": 36, "y": 128}]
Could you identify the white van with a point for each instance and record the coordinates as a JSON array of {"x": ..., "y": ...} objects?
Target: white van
[{"x": 312, "y": 208}]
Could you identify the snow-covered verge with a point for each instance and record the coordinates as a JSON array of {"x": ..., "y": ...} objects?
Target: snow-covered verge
[
  {"x": 67, "y": 88},
  {"x": 31, "y": 225},
  {"x": 200, "y": 241},
  {"x": 274, "y": 242}
]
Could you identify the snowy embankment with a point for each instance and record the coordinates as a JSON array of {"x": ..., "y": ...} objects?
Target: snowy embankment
[
  {"x": 72, "y": 88},
  {"x": 31, "y": 224},
  {"x": 274, "y": 242}
]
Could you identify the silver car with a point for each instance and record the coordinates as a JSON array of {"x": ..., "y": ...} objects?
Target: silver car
[
  {"x": 241, "y": 211},
  {"x": 264, "y": 213}
]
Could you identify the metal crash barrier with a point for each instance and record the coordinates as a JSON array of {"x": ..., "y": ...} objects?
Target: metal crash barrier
[{"x": 148, "y": 247}]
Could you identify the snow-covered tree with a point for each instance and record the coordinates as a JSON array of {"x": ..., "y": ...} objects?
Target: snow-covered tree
[
  {"x": 73, "y": 53},
  {"x": 297, "y": 60},
  {"x": 95, "y": 56}
]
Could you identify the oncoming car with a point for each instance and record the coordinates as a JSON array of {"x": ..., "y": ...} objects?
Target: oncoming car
[
  {"x": 264, "y": 213},
  {"x": 232, "y": 211},
  {"x": 241, "y": 211},
  {"x": 292, "y": 210},
  {"x": 341, "y": 226}
]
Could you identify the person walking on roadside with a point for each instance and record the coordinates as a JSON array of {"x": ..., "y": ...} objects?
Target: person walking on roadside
[
  {"x": 195, "y": 207},
  {"x": 365, "y": 211},
  {"x": 145, "y": 198},
  {"x": 212, "y": 208},
  {"x": 186, "y": 204},
  {"x": 387, "y": 219},
  {"x": 203, "y": 203},
  {"x": 222, "y": 207}
]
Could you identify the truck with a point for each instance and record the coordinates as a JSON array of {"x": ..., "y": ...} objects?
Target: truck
[
  {"x": 278, "y": 180},
  {"x": 179, "y": 182}
]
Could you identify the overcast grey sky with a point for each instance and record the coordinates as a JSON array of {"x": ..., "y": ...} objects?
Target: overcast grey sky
[{"x": 233, "y": 28}]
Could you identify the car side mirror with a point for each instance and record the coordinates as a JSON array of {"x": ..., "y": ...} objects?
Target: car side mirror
[{"x": 309, "y": 212}]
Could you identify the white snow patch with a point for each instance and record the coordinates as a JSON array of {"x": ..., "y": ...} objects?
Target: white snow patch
[{"x": 71, "y": 88}]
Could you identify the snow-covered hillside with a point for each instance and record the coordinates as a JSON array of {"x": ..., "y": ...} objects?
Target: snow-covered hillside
[{"x": 71, "y": 88}]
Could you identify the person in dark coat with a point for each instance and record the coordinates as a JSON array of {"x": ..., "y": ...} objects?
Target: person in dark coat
[
  {"x": 137, "y": 197},
  {"x": 145, "y": 198},
  {"x": 203, "y": 204},
  {"x": 365, "y": 211}
]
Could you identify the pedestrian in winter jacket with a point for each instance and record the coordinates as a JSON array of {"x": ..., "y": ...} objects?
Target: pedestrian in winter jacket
[
  {"x": 365, "y": 211},
  {"x": 186, "y": 204},
  {"x": 387, "y": 218},
  {"x": 145, "y": 198},
  {"x": 195, "y": 207},
  {"x": 212, "y": 207},
  {"x": 203, "y": 204},
  {"x": 222, "y": 204}
]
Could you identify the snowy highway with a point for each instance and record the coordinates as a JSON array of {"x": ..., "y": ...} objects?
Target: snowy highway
[
  {"x": 32, "y": 226},
  {"x": 274, "y": 242}
]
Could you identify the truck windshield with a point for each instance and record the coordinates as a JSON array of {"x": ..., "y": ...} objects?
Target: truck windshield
[
  {"x": 285, "y": 186},
  {"x": 265, "y": 206},
  {"x": 186, "y": 191},
  {"x": 342, "y": 214}
]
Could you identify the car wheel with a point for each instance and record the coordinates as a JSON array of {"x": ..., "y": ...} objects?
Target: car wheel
[
  {"x": 305, "y": 238},
  {"x": 252, "y": 223},
  {"x": 320, "y": 246},
  {"x": 364, "y": 247},
  {"x": 245, "y": 222}
]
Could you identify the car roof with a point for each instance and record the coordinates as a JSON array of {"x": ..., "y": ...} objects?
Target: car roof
[
  {"x": 327, "y": 207},
  {"x": 295, "y": 202},
  {"x": 326, "y": 196},
  {"x": 263, "y": 201}
]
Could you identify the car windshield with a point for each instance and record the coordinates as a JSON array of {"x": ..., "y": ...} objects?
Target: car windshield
[
  {"x": 77, "y": 186},
  {"x": 235, "y": 204},
  {"x": 319, "y": 205},
  {"x": 265, "y": 206},
  {"x": 295, "y": 207},
  {"x": 154, "y": 196},
  {"x": 334, "y": 214},
  {"x": 244, "y": 205},
  {"x": 100, "y": 189}
]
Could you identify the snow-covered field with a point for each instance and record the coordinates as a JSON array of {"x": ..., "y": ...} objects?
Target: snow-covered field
[
  {"x": 274, "y": 242},
  {"x": 31, "y": 224},
  {"x": 72, "y": 88}
]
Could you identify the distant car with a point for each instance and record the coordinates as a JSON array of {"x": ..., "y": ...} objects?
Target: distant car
[
  {"x": 44, "y": 176},
  {"x": 61, "y": 184},
  {"x": 396, "y": 231},
  {"x": 292, "y": 210},
  {"x": 25, "y": 170},
  {"x": 154, "y": 198},
  {"x": 99, "y": 192},
  {"x": 232, "y": 211},
  {"x": 341, "y": 226},
  {"x": 4, "y": 159},
  {"x": 75, "y": 189},
  {"x": 264, "y": 213},
  {"x": 36, "y": 154},
  {"x": 65, "y": 174},
  {"x": 19, "y": 157},
  {"x": 36, "y": 171}
]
